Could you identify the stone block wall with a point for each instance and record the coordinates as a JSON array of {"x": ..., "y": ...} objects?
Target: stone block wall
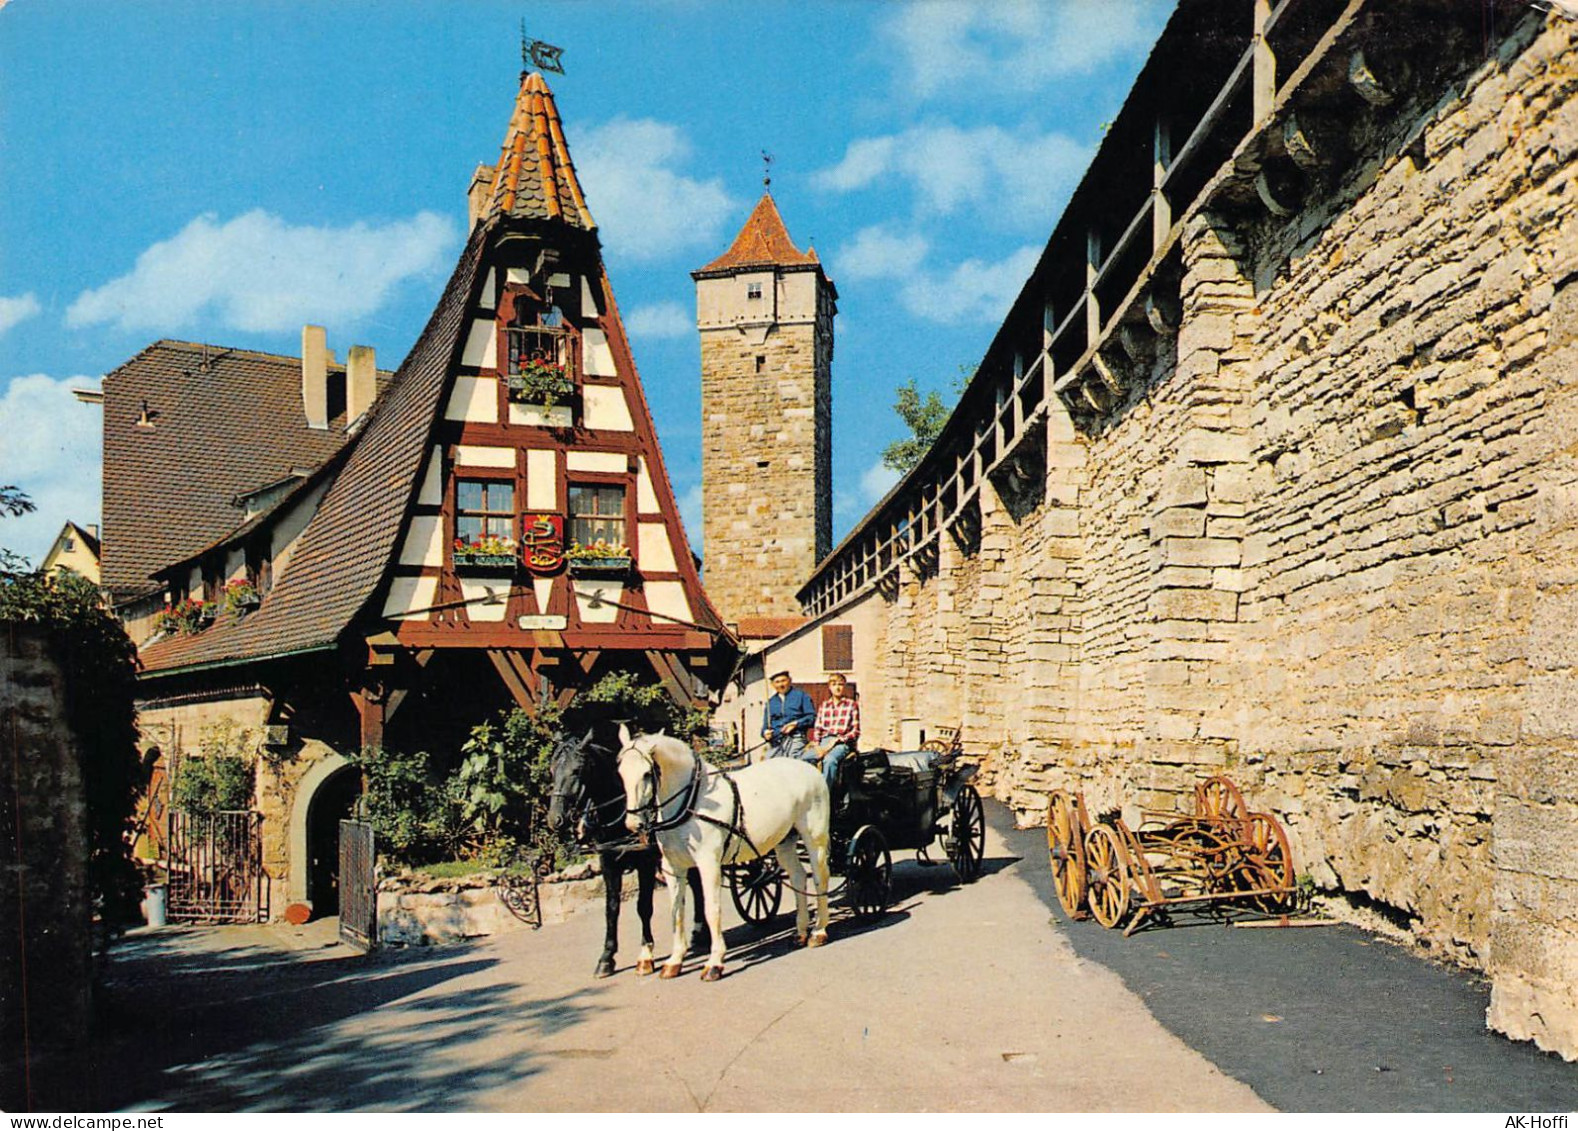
[{"x": 46, "y": 949}]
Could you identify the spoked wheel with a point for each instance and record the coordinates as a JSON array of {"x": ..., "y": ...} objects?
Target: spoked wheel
[
  {"x": 757, "y": 888},
  {"x": 868, "y": 873},
  {"x": 1266, "y": 847},
  {"x": 966, "y": 840},
  {"x": 1217, "y": 799},
  {"x": 1066, "y": 844},
  {"x": 1107, "y": 873}
]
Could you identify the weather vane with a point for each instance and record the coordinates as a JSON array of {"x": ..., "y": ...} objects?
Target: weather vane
[
  {"x": 536, "y": 53},
  {"x": 767, "y": 169}
]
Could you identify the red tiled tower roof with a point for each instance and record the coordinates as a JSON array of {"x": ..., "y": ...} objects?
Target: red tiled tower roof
[
  {"x": 763, "y": 242},
  {"x": 535, "y": 178}
]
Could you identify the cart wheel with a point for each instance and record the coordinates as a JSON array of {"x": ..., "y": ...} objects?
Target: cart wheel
[
  {"x": 1270, "y": 857},
  {"x": 1066, "y": 845},
  {"x": 1107, "y": 873},
  {"x": 966, "y": 840},
  {"x": 1218, "y": 799},
  {"x": 868, "y": 873},
  {"x": 757, "y": 888}
]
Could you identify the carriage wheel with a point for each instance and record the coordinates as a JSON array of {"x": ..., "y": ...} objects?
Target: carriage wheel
[
  {"x": 966, "y": 840},
  {"x": 757, "y": 888},
  {"x": 1272, "y": 860},
  {"x": 1218, "y": 799},
  {"x": 1066, "y": 845},
  {"x": 1107, "y": 873},
  {"x": 868, "y": 873}
]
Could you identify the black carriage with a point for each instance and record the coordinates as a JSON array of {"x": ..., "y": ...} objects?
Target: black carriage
[{"x": 886, "y": 802}]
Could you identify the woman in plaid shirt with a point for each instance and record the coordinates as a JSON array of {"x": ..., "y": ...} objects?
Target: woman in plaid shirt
[{"x": 837, "y": 727}]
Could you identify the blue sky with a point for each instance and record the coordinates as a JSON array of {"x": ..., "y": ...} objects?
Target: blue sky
[{"x": 228, "y": 172}]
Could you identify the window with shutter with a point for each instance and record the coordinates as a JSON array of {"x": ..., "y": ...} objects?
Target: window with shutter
[{"x": 838, "y": 648}]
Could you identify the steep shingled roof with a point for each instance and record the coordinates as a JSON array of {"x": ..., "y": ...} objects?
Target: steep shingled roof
[
  {"x": 348, "y": 544},
  {"x": 535, "y": 178},
  {"x": 763, "y": 242},
  {"x": 219, "y": 422}
]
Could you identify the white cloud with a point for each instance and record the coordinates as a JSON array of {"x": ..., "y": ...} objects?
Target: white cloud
[
  {"x": 50, "y": 448},
  {"x": 259, "y": 273},
  {"x": 877, "y": 481},
  {"x": 878, "y": 252},
  {"x": 645, "y": 207},
  {"x": 1013, "y": 178},
  {"x": 19, "y": 309},
  {"x": 660, "y": 320},
  {"x": 1013, "y": 46},
  {"x": 972, "y": 289}
]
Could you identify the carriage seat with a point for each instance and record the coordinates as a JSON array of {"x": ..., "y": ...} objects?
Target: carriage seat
[{"x": 920, "y": 761}]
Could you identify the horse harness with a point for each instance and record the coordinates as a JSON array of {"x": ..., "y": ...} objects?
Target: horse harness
[{"x": 735, "y": 828}]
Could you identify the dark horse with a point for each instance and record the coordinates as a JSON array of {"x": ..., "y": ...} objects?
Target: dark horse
[{"x": 588, "y": 795}]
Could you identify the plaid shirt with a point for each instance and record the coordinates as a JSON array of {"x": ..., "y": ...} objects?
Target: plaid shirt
[{"x": 838, "y": 719}]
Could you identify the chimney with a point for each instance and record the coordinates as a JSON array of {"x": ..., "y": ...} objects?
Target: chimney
[
  {"x": 315, "y": 376},
  {"x": 93, "y": 530},
  {"x": 479, "y": 192},
  {"x": 361, "y": 383}
]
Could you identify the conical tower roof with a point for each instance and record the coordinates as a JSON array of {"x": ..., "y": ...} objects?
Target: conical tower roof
[
  {"x": 535, "y": 178},
  {"x": 763, "y": 242}
]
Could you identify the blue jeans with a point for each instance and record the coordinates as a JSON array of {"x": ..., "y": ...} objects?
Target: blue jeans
[
  {"x": 830, "y": 763},
  {"x": 790, "y": 746}
]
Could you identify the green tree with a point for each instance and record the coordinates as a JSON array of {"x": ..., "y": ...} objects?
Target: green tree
[{"x": 924, "y": 417}]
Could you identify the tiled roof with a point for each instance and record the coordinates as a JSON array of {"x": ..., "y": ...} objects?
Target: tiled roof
[
  {"x": 219, "y": 422},
  {"x": 344, "y": 550},
  {"x": 535, "y": 179},
  {"x": 763, "y": 242},
  {"x": 768, "y": 628}
]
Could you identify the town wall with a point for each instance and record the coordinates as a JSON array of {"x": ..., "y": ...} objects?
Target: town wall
[
  {"x": 46, "y": 957},
  {"x": 1324, "y": 545}
]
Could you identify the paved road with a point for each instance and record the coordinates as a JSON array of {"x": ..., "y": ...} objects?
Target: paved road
[{"x": 964, "y": 998}]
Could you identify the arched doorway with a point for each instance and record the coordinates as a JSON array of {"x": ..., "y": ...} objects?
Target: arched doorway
[{"x": 330, "y": 803}]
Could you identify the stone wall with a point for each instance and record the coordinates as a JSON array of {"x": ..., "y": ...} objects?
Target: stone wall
[
  {"x": 1325, "y": 544},
  {"x": 46, "y": 953}
]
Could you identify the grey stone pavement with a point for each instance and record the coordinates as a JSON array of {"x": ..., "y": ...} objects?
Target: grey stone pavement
[{"x": 979, "y": 997}]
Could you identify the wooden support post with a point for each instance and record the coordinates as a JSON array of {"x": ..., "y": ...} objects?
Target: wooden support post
[
  {"x": 1265, "y": 77},
  {"x": 370, "y": 706},
  {"x": 517, "y": 677},
  {"x": 1161, "y": 206}
]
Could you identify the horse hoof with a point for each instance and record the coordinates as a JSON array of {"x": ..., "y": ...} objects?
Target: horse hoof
[
  {"x": 605, "y": 969},
  {"x": 712, "y": 973},
  {"x": 818, "y": 939},
  {"x": 644, "y": 966},
  {"x": 671, "y": 972},
  {"x": 799, "y": 941}
]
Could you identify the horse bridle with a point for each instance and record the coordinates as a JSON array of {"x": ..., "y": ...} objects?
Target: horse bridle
[{"x": 690, "y": 792}]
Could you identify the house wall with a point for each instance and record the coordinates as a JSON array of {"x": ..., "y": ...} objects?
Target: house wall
[{"x": 1325, "y": 546}]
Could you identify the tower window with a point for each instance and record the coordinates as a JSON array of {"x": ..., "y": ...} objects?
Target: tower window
[
  {"x": 753, "y": 290},
  {"x": 761, "y": 362}
]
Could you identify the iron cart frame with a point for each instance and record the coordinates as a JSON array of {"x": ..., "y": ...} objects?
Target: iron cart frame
[
  {"x": 894, "y": 801},
  {"x": 1220, "y": 853}
]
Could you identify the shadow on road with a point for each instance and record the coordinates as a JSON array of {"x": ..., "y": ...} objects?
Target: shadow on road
[{"x": 1318, "y": 1019}]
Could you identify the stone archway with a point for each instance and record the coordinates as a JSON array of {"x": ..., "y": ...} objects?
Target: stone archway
[{"x": 325, "y": 768}]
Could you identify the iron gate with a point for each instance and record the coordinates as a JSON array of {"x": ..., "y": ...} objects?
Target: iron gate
[
  {"x": 216, "y": 868},
  {"x": 358, "y": 886}
]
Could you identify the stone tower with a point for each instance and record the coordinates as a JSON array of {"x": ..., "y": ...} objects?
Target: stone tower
[{"x": 765, "y": 312}]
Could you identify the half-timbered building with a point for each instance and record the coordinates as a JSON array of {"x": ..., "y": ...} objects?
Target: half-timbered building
[{"x": 490, "y": 525}]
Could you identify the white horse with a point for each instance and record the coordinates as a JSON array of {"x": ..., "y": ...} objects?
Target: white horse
[{"x": 704, "y": 819}]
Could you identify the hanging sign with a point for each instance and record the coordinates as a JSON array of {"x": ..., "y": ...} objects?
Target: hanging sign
[{"x": 542, "y": 543}]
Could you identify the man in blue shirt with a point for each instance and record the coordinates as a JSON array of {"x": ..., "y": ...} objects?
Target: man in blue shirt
[{"x": 788, "y": 719}]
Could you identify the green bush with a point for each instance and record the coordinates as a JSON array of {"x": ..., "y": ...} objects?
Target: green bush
[
  {"x": 414, "y": 812},
  {"x": 215, "y": 783}
]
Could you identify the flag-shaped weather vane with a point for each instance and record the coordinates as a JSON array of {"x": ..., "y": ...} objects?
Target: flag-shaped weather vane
[{"x": 543, "y": 56}]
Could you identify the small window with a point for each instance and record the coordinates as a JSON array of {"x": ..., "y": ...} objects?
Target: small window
[
  {"x": 838, "y": 648},
  {"x": 753, "y": 290},
  {"x": 71, "y": 544},
  {"x": 761, "y": 362},
  {"x": 597, "y": 514},
  {"x": 484, "y": 507}
]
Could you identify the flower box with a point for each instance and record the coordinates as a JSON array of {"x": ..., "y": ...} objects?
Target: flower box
[
  {"x": 599, "y": 567},
  {"x": 547, "y": 387},
  {"x": 467, "y": 560}
]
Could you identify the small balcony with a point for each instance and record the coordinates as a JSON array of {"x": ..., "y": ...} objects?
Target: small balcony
[{"x": 542, "y": 365}]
